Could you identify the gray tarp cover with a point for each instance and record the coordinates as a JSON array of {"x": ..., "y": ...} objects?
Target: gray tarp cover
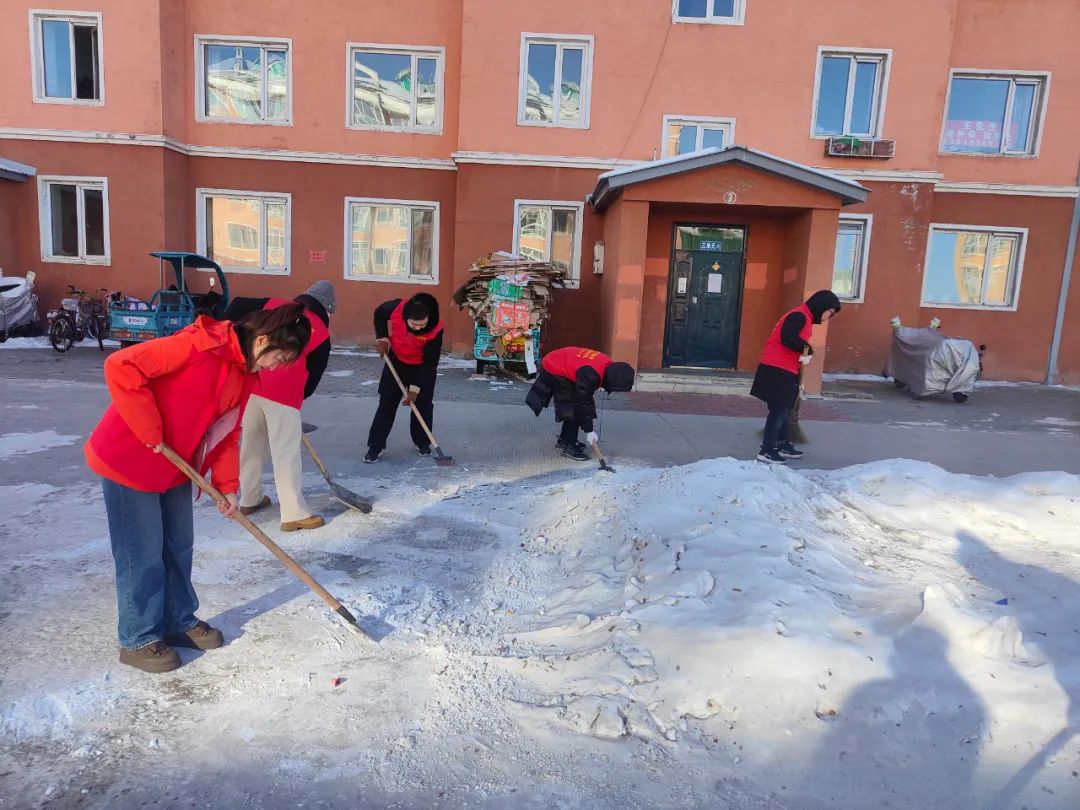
[
  {"x": 18, "y": 304},
  {"x": 928, "y": 362}
]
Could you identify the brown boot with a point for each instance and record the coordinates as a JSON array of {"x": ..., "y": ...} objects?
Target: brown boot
[
  {"x": 200, "y": 637},
  {"x": 154, "y": 657},
  {"x": 313, "y": 522},
  {"x": 249, "y": 510}
]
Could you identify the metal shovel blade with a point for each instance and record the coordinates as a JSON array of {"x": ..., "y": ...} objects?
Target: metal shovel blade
[
  {"x": 307, "y": 427},
  {"x": 349, "y": 498}
]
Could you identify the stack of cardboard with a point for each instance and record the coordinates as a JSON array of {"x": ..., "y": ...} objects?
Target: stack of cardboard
[{"x": 508, "y": 298}]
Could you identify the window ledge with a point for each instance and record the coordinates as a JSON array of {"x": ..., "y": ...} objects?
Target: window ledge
[
  {"x": 551, "y": 124},
  {"x": 249, "y": 271},
  {"x": 70, "y": 102},
  {"x": 395, "y": 279},
  {"x": 708, "y": 21},
  {"x": 979, "y": 308},
  {"x": 203, "y": 119},
  {"x": 395, "y": 130},
  {"x": 991, "y": 155},
  {"x": 98, "y": 261}
]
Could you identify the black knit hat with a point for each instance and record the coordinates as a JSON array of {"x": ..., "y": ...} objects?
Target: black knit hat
[
  {"x": 619, "y": 377},
  {"x": 821, "y": 302}
]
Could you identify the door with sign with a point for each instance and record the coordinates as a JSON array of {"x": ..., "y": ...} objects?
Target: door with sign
[{"x": 705, "y": 297}]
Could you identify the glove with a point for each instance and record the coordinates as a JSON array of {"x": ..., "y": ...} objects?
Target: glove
[
  {"x": 592, "y": 439},
  {"x": 382, "y": 346},
  {"x": 805, "y": 359},
  {"x": 410, "y": 396}
]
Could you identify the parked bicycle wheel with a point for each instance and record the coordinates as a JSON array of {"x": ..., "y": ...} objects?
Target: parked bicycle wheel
[{"x": 62, "y": 334}]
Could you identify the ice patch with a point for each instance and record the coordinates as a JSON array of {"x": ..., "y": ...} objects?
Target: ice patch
[{"x": 20, "y": 444}]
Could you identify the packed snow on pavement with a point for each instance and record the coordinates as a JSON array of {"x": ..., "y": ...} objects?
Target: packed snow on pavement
[{"x": 723, "y": 634}]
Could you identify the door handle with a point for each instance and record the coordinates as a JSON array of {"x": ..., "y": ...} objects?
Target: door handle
[{"x": 693, "y": 299}]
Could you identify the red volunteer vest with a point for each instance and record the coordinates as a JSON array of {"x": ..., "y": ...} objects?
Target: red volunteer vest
[
  {"x": 285, "y": 384},
  {"x": 409, "y": 347},
  {"x": 776, "y": 353},
  {"x": 566, "y": 362}
]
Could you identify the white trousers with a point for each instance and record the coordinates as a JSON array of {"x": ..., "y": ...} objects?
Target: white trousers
[{"x": 270, "y": 425}]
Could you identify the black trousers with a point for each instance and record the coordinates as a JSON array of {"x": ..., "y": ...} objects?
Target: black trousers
[
  {"x": 568, "y": 434},
  {"x": 777, "y": 425},
  {"x": 390, "y": 398}
]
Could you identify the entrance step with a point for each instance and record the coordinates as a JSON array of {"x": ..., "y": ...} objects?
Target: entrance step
[{"x": 692, "y": 383}]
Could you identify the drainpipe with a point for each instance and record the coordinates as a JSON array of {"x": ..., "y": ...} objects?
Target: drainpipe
[{"x": 1059, "y": 323}]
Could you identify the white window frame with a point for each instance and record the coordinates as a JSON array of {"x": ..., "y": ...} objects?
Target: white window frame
[
  {"x": 436, "y": 244},
  {"x": 1011, "y": 230},
  {"x": 1041, "y": 77},
  {"x": 435, "y": 52},
  {"x": 574, "y": 282},
  {"x": 559, "y": 40},
  {"x": 867, "y": 223},
  {"x": 703, "y": 122},
  {"x": 37, "y": 55},
  {"x": 266, "y": 43},
  {"x": 737, "y": 18},
  {"x": 45, "y": 218},
  {"x": 884, "y": 56},
  {"x": 201, "y": 195}
]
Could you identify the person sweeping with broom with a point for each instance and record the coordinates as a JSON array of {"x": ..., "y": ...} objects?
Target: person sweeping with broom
[
  {"x": 779, "y": 374},
  {"x": 409, "y": 335},
  {"x": 186, "y": 392}
]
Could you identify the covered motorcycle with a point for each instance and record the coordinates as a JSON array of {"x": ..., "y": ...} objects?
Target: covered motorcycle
[
  {"x": 18, "y": 305},
  {"x": 927, "y": 362}
]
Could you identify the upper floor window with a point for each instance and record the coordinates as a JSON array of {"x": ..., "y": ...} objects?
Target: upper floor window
[
  {"x": 727, "y": 12},
  {"x": 852, "y": 254},
  {"x": 244, "y": 231},
  {"x": 392, "y": 240},
  {"x": 74, "y": 216},
  {"x": 994, "y": 114},
  {"x": 547, "y": 231},
  {"x": 974, "y": 267},
  {"x": 244, "y": 81},
  {"x": 556, "y": 75},
  {"x": 689, "y": 133},
  {"x": 67, "y": 57},
  {"x": 849, "y": 92},
  {"x": 395, "y": 88}
]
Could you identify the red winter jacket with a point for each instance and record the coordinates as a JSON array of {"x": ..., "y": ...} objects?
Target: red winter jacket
[
  {"x": 409, "y": 346},
  {"x": 776, "y": 353},
  {"x": 189, "y": 391},
  {"x": 285, "y": 384},
  {"x": 568, "y": 361}
]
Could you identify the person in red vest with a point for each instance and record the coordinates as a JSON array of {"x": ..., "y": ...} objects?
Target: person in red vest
[
  {"x": 572, "y": 376},
  {"x": 272, "y": 419},
  {"x": 187, "y": 391},
  {"x": 410, "y": 333},
  {"x": 776, "y": 381}
]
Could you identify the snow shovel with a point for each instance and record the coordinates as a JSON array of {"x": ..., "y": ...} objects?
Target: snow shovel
[
  {"x": 600, "y": 457},
  {"x": 441, "y": 459},
  {"x": 260, "y": 535},
  {"x": 346, "y": 496}
]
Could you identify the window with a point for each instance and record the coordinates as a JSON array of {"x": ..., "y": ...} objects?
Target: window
[
  {"x": 852, "y": 253},
  {"x": 243, "y": 81},
  {"x": 725, "y": 12},
  {"x": 74, "y": 216},
  {"x": 849, "y": 92},
  {"x": 550, "y": 232},
  {"x": 993, "y": 114},
  {"x": 972, "y": 266},
  {"x": 244, "y": 231},
  {"x": 684, "y": 134},
  {"x": 396, "y": 88},
  {"x": 556, "y": 74},
  {"x": 67, "y": 58},
  {"x": 392, "y": 240}
]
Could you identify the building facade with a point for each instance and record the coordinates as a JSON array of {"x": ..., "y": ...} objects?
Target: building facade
[{"x": 699, "y": 166}]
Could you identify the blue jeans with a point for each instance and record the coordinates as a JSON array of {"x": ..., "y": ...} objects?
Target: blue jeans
[
  {"x": 777, "y": 426},
  {"x": 152, "y": 536}
]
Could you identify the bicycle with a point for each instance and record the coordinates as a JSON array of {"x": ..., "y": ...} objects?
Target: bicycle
[{"x": 79, "y": 315}]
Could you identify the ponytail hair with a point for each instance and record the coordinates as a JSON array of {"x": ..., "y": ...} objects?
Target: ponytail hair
[{"x": 286, "y": 329}]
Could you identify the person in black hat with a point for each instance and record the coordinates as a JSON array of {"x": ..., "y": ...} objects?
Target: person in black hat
[
  {"x": 572, "y": 376},
  {"x": 776, "y": 382}
]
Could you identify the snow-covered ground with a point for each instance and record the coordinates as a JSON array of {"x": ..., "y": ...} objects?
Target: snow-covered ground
[{"x": 723, "y": 634}]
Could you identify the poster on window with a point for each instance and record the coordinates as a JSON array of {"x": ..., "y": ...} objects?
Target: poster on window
[{"x": 975, "y": 135}]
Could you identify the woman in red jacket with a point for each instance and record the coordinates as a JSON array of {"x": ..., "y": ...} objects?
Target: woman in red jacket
[
  {"x": 187, "y": 391},
  {"x": 776, "y": 382}
]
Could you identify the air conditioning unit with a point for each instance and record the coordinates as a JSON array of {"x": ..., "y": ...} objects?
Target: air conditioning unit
[{"x": 850, "y": 146}]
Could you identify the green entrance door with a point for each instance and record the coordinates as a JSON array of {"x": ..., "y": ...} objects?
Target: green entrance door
[{"x": 704, "y": 297}]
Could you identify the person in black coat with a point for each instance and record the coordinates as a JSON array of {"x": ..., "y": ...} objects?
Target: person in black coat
[{"x": 777, "y": 379}]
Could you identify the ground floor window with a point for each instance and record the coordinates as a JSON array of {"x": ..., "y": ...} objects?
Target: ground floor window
[
  {"x": 391, "y": 240},
  {"x": 547, "y": 231},
  {"x": 850, "y": 260},
  {"x": 74, "y": 216},
  {"x": 244, "y": 231},
  {"x": 973, "y": 267}
]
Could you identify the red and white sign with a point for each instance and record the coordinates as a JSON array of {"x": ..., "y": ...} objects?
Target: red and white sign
[
  {"x": 317, "y": 256},
  {"x": 975, "y": 134}
]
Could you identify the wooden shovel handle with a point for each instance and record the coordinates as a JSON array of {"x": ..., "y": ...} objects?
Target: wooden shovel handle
[
  {"x": 405, "y": 393},
  {"x": 315, "y": 456},
  {"x": 258, "y": 533}
]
